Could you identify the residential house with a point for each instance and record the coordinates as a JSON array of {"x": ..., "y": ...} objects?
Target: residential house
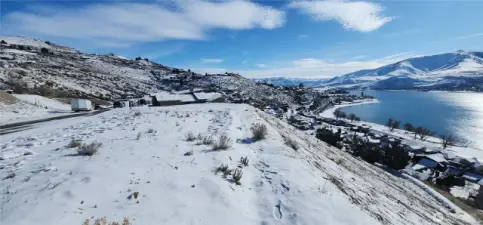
[{"x": 433, "y": 161}]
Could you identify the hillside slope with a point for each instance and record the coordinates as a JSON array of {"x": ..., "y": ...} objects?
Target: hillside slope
[
  {"x": 316, "y": 184},
  {"x": 450, "y": 71},
  {"x": 64, "y": 72},
  {"x": 21, "y": 107}
]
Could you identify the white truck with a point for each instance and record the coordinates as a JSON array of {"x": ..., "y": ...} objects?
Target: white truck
[{"x": 81, "y": 105}]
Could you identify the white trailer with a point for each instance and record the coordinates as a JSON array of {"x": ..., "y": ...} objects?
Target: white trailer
[{"x": 81, "y": 105}]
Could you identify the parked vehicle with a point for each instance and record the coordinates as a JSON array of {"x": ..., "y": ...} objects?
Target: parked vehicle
[
  {"x": 118, "y": 104},
  {"x": 78, "y": 105}
]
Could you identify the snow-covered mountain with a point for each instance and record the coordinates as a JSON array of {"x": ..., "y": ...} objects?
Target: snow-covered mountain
[
  {"x": 288, "y": 81},
  {"x": 459, "y": 70}
]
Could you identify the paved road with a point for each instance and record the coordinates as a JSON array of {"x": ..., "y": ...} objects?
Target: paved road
[{"x": 21, "y": 126}]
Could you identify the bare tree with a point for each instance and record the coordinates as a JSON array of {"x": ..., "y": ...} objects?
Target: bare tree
[
  {"x": 395, "y": 124},
  {"x": 409, "y": 127},
  {"x": 447, "y": 140},
  {"x": 389, "y": 123},
  {"x": 423, "y": 133},
  {"x": 343, "y": 115},
  {"x": 338, "y": 114},
  {"x": 352, "y": 117}
]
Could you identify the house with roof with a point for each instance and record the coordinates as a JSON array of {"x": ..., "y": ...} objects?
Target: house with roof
[{"x": 433, "y": 161}]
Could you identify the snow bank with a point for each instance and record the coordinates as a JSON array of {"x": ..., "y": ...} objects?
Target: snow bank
[
  {"x": 31, "y": 107},
  {"x": 43, "y": 101},
  {"x": 316, "y": 184}
]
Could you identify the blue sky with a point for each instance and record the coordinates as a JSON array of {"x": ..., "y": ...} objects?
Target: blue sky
[{"x": 305, "y": 39}]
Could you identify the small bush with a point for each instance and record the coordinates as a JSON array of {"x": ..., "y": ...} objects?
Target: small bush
[
  {"x": 190, "y": 136},
  {"x": 89, "y": 149},
  {"x": 259, "y": 131},
  {"x": 222, "y": 143},
  {"x": 151, "y": 130},
  {"x": 74, "y": 143},
  {"x": 244, "y": 161},
  {"x": 199, "y": 137},
  {"x": 137, "y": 113},
  {"x": 223, "y": 168},
  {"x": 103, "y": 221},
  {"x": 135, "y": 195},
  {"x": 207, "y": 140},
  {"x": 139, "y": 136},
  {"x": 339, "y": 161},
  {"x": 44, "y": 51},
  {"x": 188, "y": 153},
  {"x": 237, "y": 175},
  {"x": 291, "y": 143}
]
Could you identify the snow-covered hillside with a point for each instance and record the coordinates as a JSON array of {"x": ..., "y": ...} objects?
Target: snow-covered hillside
[
  {"x": 22, "y": 107},
  {"x": 452, "y": 71},
  {"x": 46, "y": 182},
  {"x": 33, "y": 66}
]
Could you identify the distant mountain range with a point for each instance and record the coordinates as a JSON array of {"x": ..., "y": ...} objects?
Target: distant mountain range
[
  {"x": 457, "y": 71},
  {"x": 287, "y": 81}
]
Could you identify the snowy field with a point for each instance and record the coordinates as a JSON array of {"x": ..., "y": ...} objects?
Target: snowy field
[
  {"x": 23, "y": 107},
  {"x": 46, "y": 182}
]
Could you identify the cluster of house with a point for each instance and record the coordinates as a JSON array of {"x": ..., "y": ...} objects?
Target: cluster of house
[
  {"x": 169, "y": 98},
  {"x": 426, "y": 163},
  {"x": 436, "y": 163}
]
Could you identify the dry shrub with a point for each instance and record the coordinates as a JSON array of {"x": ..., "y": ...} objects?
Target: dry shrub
[
  {"x": 259, "y": 131},
  {"x": 89, "y": 149},
  {"x": 103, "y": 221},
  {"x": 190, "y": 136},
  {"x": 291, "y": 143},
  {"x": 223, "y": 143}
]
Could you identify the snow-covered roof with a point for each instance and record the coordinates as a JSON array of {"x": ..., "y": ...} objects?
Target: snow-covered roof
[
  {"x": 207, "y": 96},
  {"x": 187, "y": 98},
  {"x": 375, "y": 141},
  {"x": 166, "y": 96},
  {"x": 418, "y": 167},
  {"x": 437, "y": 158}
]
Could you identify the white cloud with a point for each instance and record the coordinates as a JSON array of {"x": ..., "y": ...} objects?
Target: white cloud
[
  {"x": 260, "y": 65},
  {"x": 301, "y": 36},
  {"x": 213, "y": 70},
  {"x": 354, "y": 15},
  {"x": 142, "y": 22},
  {"x": 396, "y": 58},
  {"x": 470, "y": 36},
  {"x": 318, "y": 68},
  {"x": 203, "y": 60}
]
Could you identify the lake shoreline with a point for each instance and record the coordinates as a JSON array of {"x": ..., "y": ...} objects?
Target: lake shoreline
[
  {"x": 330, "y": 111},
  {"x": 431, "y": 142}
]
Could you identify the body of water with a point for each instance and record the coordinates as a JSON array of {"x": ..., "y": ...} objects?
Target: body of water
[{"x": 447, "y": 113}]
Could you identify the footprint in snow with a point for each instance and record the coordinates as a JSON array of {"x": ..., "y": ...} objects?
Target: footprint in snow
[{"x": 277, "y": 212}]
